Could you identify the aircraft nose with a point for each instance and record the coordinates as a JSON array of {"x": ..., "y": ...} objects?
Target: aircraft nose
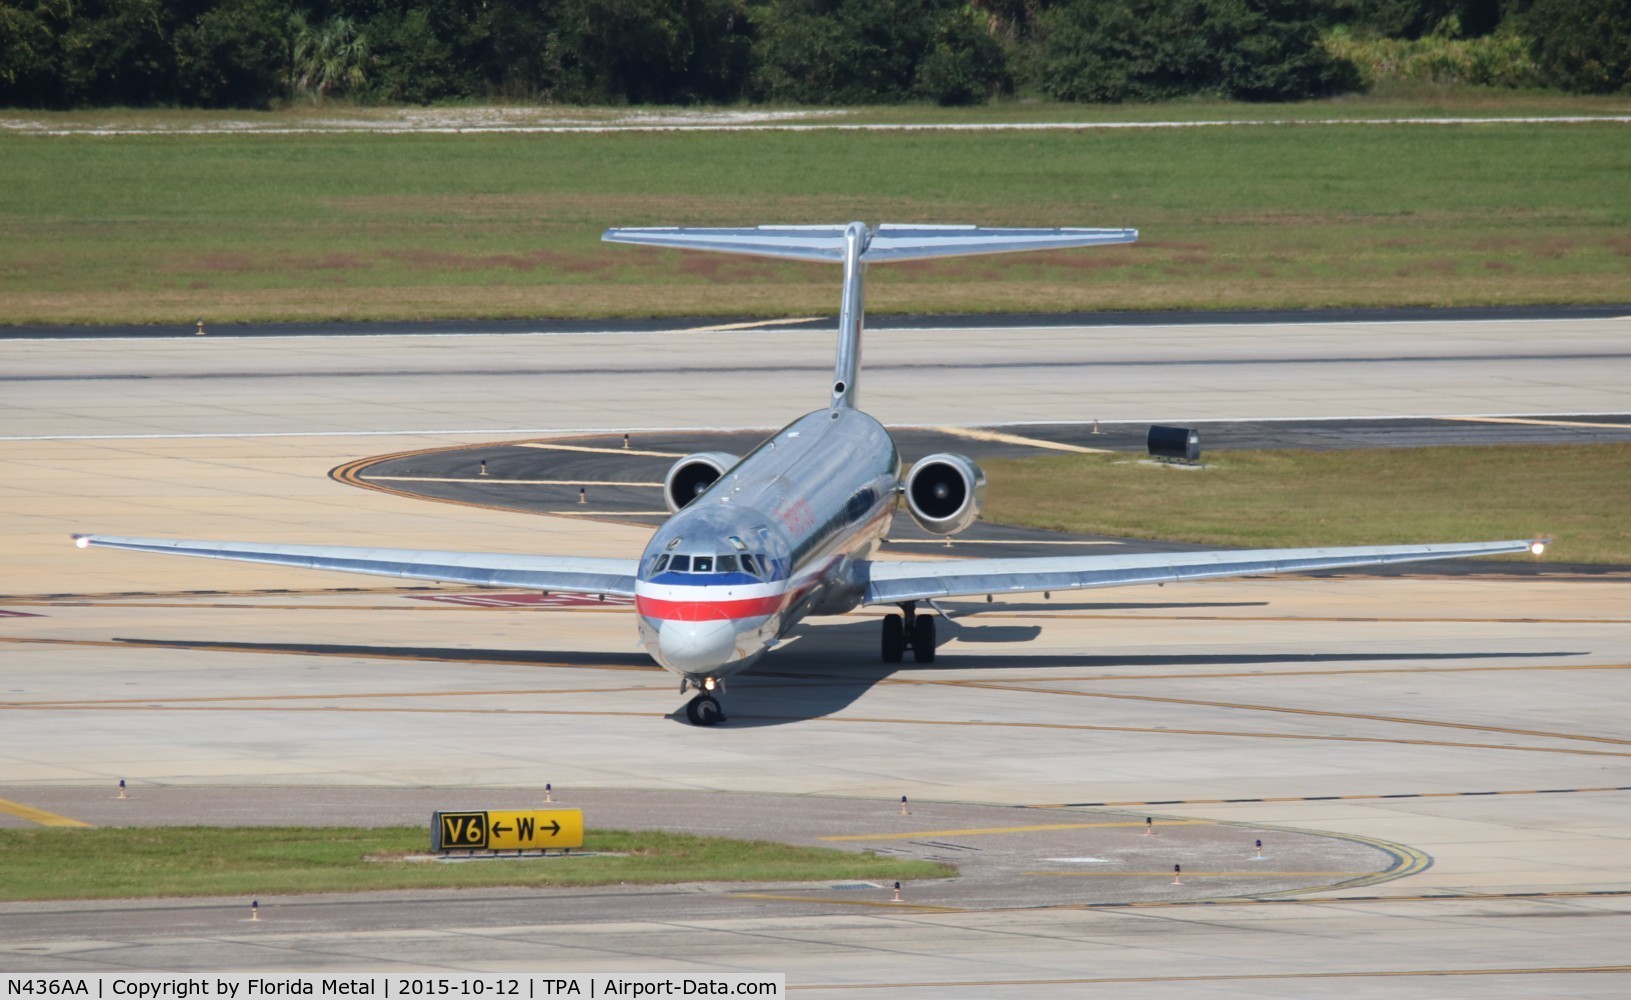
[{"x": 696, "y": 647}]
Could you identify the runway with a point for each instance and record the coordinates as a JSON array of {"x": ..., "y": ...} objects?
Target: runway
[
  {"x": 1477, "y": 720},
  {"x": 621, "y": 379}
]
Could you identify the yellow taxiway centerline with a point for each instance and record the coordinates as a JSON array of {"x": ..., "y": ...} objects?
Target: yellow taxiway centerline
[
  {"x": 983, "y": 831},
  {"x": 1186, "y": 874},
  {"x": 1536, "y": 423},
  {"x": 751, "y": 324},
  {"x": 886, "y": 903},
  {"x": 599, "y": 451},
  {"x": 39, "y": 816},
  {"x": 999, "y": 437},
  {"x": 495, "y": 481}
]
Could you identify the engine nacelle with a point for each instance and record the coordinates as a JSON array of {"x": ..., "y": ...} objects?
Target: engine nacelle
[
  {"x": 944, "y": 492},
  {"x": 688, "y": 478}
]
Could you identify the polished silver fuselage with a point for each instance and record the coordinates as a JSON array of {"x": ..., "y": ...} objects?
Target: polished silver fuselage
[{"x": 808, "y": 507}]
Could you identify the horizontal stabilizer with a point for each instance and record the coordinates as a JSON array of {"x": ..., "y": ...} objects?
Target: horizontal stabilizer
[
  {"x": 818, "y": 243},
  {"x": 895, "y": 242},
  {"x": 888, "y": 242}
]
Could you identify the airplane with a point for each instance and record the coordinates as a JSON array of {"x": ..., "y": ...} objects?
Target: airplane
[{"x": 756, "y": 544}]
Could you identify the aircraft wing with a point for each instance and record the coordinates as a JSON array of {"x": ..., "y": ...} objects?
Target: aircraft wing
[
  {"x": 893, "y": 582},
  {"x": 559, "y": 574}
]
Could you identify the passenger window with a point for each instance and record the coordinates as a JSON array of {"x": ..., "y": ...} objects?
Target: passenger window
[
  {"x": 680, "y": 564},
  {"x": 702, "y": 564},
  {"x": 725, "y": 564}
]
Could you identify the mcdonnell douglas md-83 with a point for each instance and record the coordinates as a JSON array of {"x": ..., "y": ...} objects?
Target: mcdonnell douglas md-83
[{"x": 756, "y": 544}]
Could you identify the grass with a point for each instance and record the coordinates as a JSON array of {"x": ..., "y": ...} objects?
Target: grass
[
  {"x": 130, "y": 862},
  {"x": 1575, "y": 494},
  {"x": 168, "y": 229}
]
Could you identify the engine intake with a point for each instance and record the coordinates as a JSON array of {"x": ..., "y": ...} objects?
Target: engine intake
[
  {"x": 944, "y": 492},
  {"x": 691, "y": 476}
]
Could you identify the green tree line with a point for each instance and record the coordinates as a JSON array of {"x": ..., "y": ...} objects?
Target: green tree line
[{"x": 253, "y": 53}]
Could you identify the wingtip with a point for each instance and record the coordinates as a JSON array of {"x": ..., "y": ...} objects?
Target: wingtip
[
  {"x": 1537, "y": 546},
  {"x": 83, "y": 541}
]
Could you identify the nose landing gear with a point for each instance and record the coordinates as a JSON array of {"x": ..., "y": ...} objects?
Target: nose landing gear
[
  {"x": 908, "y": 631},
  {"x": 704, "y": 709}
]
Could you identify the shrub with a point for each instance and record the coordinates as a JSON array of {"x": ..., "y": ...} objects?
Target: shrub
[
  {"x": 1500, "y": 60},
  {"x": 649, "y": 51},
  {"x": 964, "y": 63},
  {"x": 1581, "y": 45},
  {"x": 233, "y": 55},
  {"x": 1119, "y": 50}
]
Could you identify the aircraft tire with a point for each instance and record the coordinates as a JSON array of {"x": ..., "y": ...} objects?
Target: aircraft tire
[
  {"x": 894, "y": 639},
  {"x": 704, "y": 710},
  {"x": 923, "y": 639}
]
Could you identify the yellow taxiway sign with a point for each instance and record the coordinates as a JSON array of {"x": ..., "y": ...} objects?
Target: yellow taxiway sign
[{"x": 506, "y": 830}]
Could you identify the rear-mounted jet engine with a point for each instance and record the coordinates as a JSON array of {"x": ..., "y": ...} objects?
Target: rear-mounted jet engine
[
  {"x": 944, "y": 492},
  {"x": 691, "y": 476}
]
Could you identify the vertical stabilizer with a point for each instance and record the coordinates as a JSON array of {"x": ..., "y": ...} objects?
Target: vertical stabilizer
[
  {"x": 851, "y": 318},
  {"x": 855, "y": 246}
]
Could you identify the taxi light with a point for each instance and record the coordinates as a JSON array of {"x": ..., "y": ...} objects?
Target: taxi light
[{"x": 1537, "y": 548}]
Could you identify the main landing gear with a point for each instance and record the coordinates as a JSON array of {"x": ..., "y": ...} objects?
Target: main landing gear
[
  {"x": 908, "y": 630},
  {"x": 704, "y": 710}
]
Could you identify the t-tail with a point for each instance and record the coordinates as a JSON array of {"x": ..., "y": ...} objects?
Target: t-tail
[{"x": 855, "y": 246}]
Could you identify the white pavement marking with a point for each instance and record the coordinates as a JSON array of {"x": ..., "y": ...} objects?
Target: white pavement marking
[{"x": 32, "y": 128}]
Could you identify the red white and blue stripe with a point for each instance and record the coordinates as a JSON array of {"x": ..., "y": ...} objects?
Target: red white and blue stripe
[{"x": 692, "y": 597}]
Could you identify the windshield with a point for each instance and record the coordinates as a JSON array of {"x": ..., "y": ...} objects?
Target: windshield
[{"x": 743, "y": 562}]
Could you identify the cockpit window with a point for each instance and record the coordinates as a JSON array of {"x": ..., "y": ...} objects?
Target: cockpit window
[{"x": 746, "y": 562}]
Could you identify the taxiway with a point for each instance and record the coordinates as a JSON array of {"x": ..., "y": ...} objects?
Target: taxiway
[{"x": 1475, "y": 720}]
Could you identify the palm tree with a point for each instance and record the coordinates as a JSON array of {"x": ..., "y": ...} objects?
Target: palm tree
[{"x": 326, "y": 59}]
